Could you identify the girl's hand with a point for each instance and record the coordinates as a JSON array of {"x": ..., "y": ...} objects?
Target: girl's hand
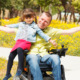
[{"x": 53, "y": 42}]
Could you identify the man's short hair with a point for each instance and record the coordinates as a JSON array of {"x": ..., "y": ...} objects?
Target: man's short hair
[{"x": 48, "y": 14}]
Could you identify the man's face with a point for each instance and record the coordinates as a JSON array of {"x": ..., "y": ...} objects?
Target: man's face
[{"x": 43, "y": 21}]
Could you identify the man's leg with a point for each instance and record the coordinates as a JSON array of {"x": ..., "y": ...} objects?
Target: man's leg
[
  {"x": 34, "y": 61},
  {"x": 54, "y": 61}
]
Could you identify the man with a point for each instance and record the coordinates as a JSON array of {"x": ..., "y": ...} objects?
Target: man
[{"x": 39, "y": 50}]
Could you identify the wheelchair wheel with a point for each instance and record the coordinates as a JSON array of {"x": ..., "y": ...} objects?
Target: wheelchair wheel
[{"x": 62, "y": 73}]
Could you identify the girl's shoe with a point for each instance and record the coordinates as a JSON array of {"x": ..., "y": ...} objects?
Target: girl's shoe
[{"x": 7, "y": 77}]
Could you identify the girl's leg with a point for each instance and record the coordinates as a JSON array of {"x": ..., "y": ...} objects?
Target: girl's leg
[
  {"x": 9, "y": 65},
  {"x": 21, "y": 61}
]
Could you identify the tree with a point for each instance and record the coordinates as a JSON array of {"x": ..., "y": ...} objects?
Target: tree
[
  {"x": 76, "y": 4},
  {"x": 64, "y": 3},
  {"x": 14, "y": 6},
  {"x": 57, "y": 5},
  {"x": 3, "y": 6},
  {"x": 43, "y": 4}
]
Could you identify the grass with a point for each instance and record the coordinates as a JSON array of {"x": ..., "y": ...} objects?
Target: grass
[{"x": 3, "y": 66}]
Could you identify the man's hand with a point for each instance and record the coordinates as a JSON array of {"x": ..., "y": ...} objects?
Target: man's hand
[{"x": 53, "y": 42}]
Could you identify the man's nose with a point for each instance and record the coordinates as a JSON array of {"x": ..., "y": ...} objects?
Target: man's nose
[{"x": 42, "y": 21}]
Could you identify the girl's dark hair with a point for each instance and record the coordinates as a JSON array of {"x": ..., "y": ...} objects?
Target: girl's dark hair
[{"x": 28, "y": 12}]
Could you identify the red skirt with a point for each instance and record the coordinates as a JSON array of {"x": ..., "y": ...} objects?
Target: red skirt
[{"x": 22, "y": 44}]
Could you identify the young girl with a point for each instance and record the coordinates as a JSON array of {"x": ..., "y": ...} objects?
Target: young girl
[{"x": 26, "y": 35}]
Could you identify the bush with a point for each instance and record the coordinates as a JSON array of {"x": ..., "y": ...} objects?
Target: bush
[{"x": 7, "y": 39}]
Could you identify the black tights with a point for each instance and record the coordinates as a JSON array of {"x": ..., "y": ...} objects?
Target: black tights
[{"x": 12, "y": 55}]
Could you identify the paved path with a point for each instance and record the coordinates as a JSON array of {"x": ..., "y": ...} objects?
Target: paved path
[
  {"x": 71, "y": 64},
  {"x": 4, "y": 53}
]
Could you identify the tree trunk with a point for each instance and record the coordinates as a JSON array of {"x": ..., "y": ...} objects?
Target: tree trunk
[
  {"x": 79, "y": 18},
  {"x": 3, "y": 13},
  {"x": 70, "y": 17},
  {"x": 12, "y": 11},
  {"x": 65, "y": 14},
  {"x": 40, "y": 9},
  {"x": 73, "y": 13},
  {"x": 0, "y": 13},
  {"x": 50, "y": 10},
  {"x": 59, "y": 15},
  {"x": 73, "y": 17},
  {"x": 16, "y": 13}
]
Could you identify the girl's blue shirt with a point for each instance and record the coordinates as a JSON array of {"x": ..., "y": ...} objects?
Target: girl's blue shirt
[{"x": 28, "y": 31}]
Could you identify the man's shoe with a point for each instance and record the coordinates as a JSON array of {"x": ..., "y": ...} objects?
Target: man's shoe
[
  {"x": 22, "y": 77},
  {"x": 7, "y": 77},
  {"x": 16, "y": 77}
]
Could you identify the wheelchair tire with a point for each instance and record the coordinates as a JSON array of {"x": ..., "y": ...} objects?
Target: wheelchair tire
[{"x": 62, "y": 73}]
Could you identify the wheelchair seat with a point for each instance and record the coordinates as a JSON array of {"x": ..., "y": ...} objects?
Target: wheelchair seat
[{"x": 45, "y": 67}]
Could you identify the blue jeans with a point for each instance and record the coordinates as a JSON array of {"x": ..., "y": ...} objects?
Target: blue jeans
[{"x": 52, "y": 60}]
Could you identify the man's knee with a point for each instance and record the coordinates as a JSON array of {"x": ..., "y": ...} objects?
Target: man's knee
[
  {"x": 33, "y": 61},
  {"x": 55, "y": 59}
]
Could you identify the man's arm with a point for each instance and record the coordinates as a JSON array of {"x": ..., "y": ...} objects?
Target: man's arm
[
  {"x": 70, "y": 31},
  {"x": 8, "y": 30}
]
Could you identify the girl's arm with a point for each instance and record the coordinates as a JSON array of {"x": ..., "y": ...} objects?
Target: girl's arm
[
  {"x": 47, "y": 38},
  {"x": 44, "y": 36},
  {"x": 13, "y": 25},
  {"x": 8, "y": 30}
]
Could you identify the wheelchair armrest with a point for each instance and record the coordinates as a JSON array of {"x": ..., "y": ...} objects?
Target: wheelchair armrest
[{"x": 60, "y": 52}]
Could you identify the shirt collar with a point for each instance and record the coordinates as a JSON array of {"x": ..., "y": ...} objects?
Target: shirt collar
[{"x": 29, "y": 24}]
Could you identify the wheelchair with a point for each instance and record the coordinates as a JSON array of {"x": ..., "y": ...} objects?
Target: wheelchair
[{"x": 45, "y": 69}]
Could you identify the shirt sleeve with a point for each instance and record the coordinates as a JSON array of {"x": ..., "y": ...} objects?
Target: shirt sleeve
[
  {"x": 53, "y": 32},
  {"x": 16, "y": 30},
  {"x": 13, "y": 25},
  {"x": 44, "y": 36}
]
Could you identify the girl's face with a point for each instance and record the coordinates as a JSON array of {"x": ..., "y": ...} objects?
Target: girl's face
[{"x": 29, "y": 19}]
